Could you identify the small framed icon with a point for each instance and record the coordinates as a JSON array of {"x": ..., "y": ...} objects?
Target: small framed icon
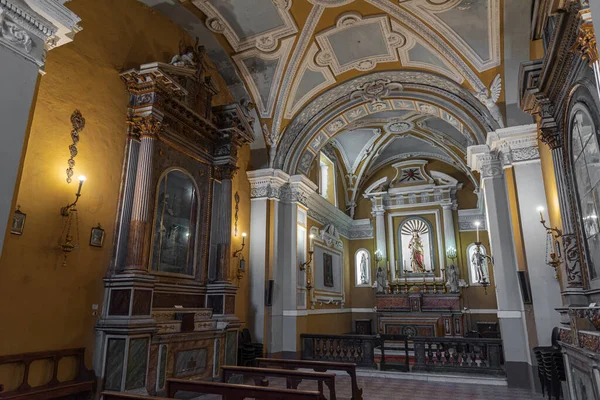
[
  {"x": 97, "y": 236},
  {"x": 18, "y": 222}
]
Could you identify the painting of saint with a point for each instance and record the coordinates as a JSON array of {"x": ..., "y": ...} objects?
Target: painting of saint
[{"x": 327, "y": 270}]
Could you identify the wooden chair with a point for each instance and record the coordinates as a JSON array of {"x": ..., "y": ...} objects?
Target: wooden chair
[
  {"x": 293, "y": 378},
  {"x": 318, "y": 366},
  {"x": 238, "y": 392},
  {"x": 82, "y": 385}
]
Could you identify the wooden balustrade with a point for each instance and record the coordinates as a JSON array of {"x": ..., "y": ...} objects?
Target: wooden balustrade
[
  {"x": 357, "y": 349},
  {"x": 458, "y": 355},
  {"x": 84, "y": 381}
]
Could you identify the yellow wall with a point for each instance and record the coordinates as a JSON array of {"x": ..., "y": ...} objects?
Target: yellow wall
[{"x": 41, "y": 295}]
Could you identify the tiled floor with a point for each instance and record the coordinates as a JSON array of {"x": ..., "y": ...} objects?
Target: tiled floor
[{"x": 400, "y": 389}]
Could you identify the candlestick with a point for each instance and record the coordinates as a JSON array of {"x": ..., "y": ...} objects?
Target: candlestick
[{"x": 477, "y": 223}]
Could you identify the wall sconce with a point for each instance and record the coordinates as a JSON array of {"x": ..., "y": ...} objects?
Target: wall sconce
[
  {"x": 554, "y": 233},
  {"x": 69, "y": 243},
  {"x": 451, "y": 253},
  {"x": 242, "y": 263},
  {"x": 66, "y": 209},
  {"x": 305, "y": 266},
  {"x": 378, "y": 257}
]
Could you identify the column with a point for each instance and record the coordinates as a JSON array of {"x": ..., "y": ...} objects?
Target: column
[
  {"x": 265, "y": 188},
  {"x": 448, "y": 217},
  {"x": 220, "y": 240},
  {"x": 379, "y": 214},
  {"x": 25, "y": 36},
  {"x": 139, "y": 226},
  {"x": 510, "y": 305}
]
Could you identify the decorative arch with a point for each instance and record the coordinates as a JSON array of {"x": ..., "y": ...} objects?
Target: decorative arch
[{"x": 293, "y": 153}]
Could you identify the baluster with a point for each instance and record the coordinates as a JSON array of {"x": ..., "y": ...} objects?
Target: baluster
[
  {"x": 359, "y": 351},
  {"x": 430, "y": 353},
  {"x": 345, "y": 350},
  {"x": 455, "y": 356},
  {"x": 438, "y": 353},
  {"x": 338, "y": 349},
  {"x": 331, "y": 348},
  {"x": 447, "y": 359},
  {"x": 465, "y": 350},
  {"x": 352, "y": 353}
]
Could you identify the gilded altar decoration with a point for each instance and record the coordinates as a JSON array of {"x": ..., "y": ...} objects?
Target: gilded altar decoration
[
  {"x": 78, "y": 123},
  {"x": 585, "y": 43}
]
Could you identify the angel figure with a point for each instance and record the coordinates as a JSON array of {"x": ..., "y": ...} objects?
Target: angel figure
[
  {"x": 490, "y": 97},
  {"x": 189, "y": 56}
]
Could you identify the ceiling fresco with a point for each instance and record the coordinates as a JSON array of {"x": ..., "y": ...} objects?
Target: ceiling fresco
[{"x": 369, "y": 81}]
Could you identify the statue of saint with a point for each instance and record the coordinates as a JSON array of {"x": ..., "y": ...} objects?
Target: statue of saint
[
  {"x": 452, "y": 282},
  {"x": 417, "y": 256},
  {"x": 363, "y": 269},
  {"x": 477, "y": 261}
]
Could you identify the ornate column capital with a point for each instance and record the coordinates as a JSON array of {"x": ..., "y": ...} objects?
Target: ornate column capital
[
  {"x": 266, "y": 183},
  {"x": 298, "y": 190},
  {"x": 224, "y": 172},
  {"x": 585, "y": 44},
  {"x": 515, "y": 144},
  {"x": 487, "y": 162},
  {"x": 31, "y": 28},
  {"x": 144, "y": 127}
]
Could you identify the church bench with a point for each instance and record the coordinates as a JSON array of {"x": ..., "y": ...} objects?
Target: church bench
[
  {"x": 318, "y": 366},
  {"x": 239, "y": 392},
  {"x": 82, "y": 385},
  {"x": 129, "y": 396},
  {"x": 293, "y": 378}
]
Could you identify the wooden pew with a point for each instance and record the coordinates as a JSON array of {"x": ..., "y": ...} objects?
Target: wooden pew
[
  {"x": 318, "y": 366},
  {"x": 293, "y": 378},
  {"x": 129, "y": 396},
  {"x": 83, "y": 383},
  {"x": 238, "y": 392}
]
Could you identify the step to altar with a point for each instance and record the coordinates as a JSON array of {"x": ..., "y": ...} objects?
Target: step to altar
[{"x": 434, "y": 377}]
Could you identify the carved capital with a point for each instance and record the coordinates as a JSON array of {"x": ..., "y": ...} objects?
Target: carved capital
[
  {"x": 143, "y": 127},
  {"x": 551, "y": 137},
  {"x": 224, "y": 172}
]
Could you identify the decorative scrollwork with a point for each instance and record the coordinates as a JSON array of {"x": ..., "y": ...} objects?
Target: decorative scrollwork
[
  {"x": 15, "y": 34},
  {"x": 145, "y": 126},
  {"x": 585, "y": 43},
  {"x": 78, "y": 123}
]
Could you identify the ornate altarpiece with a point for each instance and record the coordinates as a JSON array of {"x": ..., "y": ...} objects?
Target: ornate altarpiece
[
  {"x": 412, "y": 302},
  {"x": 169, "y": 308}
]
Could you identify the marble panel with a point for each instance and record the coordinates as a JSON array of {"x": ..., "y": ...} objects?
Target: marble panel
[
  {"x": 231, "y": 348},
  {"x": 169, "y": 300},
  {"x": 136, "y": 364},
  {"x": 190, "y": 362},
  {"x": 216, "y": 303},
  {"x": 119, "y": 301},
  {"x": 162, "y": 366},
  {"x": 229, "y": 304},
  {"x": 141, "y": 302},
  {"x": 113, "y": 371}
]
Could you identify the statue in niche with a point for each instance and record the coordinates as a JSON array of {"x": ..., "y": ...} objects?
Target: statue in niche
[
  {"x": 380, "y": 280},
  {"x": 417, "y": 255},
  {"x": 477, "y": 261},
  {"x": 363, "y": 269},
  {"x": 452, "y": 275}
]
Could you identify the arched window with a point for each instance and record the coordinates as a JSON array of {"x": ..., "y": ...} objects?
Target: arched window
[
  {"x": 416, "y": 247},
  {"x": 362, "y": 266},
  {"x": 327, "y": 184},
  {"x": 174, "y": 239},
  {"x": 478, "y": 266},
  {"x": 586, "y": 163}
]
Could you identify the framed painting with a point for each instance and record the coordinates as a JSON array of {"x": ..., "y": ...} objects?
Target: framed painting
[{"x": 327, "y": 270}]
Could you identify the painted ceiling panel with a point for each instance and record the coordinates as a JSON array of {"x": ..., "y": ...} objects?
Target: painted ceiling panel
[
  {"x": 445, "y": 127},
  {"x": 249, "y": 17},
  {"x": 408, "y": 144},
  {"x": 353, "y": 142},
  {"x": 309, "y": 81},
  {"x": 262, "y": 73},
  {"x": 471, "y": 23},
  {"x": 358, "y": 42},
  {"x": 423, "y": 55}
]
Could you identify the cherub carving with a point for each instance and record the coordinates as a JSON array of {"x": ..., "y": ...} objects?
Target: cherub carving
[
  {"x": 189, "y": 56},
  {"x": 490, "y": 97}
]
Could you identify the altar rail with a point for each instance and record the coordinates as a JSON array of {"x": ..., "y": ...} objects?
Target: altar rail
[
  {"x": 470, "y": 355},
  {"x": 458, "y": 355},
  {"x": 357, "y": 349}
]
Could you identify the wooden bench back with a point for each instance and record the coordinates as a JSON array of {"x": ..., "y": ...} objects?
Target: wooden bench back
[
  {"x": 293, "y": 378},
  {"x": 238, "y": 392},
  {"x": 84, "y": 380},
  {"x": 129, "y": 396},
  {"x": 320, "y": 366}
]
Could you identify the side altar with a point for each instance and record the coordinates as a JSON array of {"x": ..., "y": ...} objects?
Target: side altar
[{"x": 419, "y": 311}]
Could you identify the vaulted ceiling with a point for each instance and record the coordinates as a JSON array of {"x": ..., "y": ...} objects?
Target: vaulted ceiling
[{"x": 378, "y": 80}]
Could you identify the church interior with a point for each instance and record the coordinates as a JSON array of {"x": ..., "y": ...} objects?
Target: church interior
[{"x": 299, "y": 199}]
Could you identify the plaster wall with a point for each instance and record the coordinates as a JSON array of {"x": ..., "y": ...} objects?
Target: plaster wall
[{"x": 40, "y": 294}]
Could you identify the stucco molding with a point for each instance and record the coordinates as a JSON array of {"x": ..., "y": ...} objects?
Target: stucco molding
[
  {"x": 516, "y": 144},
  {"x": 31, "y": 28}
]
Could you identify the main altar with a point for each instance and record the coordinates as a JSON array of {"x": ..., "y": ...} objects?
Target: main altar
[{"x": 417, "y": 276}]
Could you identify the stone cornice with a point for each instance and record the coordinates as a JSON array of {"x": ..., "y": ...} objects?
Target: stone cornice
[
  {"x": 31, "y": 28},
  {"x": 266, "y": 183},
  {"x": 516, "y": 144}
]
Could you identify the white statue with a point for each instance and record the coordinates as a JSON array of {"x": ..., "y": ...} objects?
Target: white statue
[
  {"x": 189, "y": 56},
  {"x": 477, "y": 261},
  {"x": 490, "y": 97},
  {"x": 363, "y": 269},
  {"x": 452, "y": 276}
]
